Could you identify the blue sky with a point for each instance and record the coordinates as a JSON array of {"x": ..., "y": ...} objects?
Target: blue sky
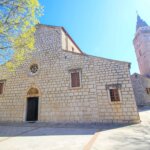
[{"x": 104, "y": 28}]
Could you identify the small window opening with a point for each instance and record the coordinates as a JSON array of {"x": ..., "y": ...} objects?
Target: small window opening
[
  {"x": 136, "y": 76},
  {"x": 148, "y": 91},
  {"x": 1, "y": 88},
  {"x": 72, "y": 49},
  {"x": 34, "y": 68},
  {"x": 114, "y": 95},
  {"x": 75, "y": 79}
]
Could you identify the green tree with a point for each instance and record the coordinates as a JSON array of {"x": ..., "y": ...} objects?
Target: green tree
[{"x": 17, "y": 26}]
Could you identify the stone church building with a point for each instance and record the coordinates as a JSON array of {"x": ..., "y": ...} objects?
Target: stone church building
[
  {"x": 141, "y": 82},
  {"x": 59, "y": 83}
]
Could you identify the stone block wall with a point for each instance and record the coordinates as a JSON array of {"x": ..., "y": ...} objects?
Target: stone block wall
[
  {"x": 58, "y": 102},
  {"x": 140, "y": 83}
]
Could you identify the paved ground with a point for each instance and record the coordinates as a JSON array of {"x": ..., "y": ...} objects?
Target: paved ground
[
  {"x": 37, "y": 137},
  {"x": 44, "y": 138},
  {"x": 135, "y": 137}
]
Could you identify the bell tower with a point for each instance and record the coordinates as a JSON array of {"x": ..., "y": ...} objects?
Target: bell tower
[{"x": 142, "y": 46}]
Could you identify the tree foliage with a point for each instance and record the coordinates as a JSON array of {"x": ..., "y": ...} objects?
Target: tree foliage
[{"x": 17, "y": 26}]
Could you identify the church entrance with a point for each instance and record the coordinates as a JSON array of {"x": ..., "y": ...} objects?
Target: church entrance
[{"x": 32, "y": 109}]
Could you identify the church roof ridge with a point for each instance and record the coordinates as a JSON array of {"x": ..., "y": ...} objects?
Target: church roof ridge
[
  {"x": 108, "y": 59},
  {"x": 61, "y": 27}
]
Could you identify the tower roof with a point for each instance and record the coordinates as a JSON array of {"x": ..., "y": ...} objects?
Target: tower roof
[{"x": 140, "y": 23}]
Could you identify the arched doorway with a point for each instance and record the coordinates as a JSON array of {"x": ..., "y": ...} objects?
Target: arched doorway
[{"x": 32, "y": 105}]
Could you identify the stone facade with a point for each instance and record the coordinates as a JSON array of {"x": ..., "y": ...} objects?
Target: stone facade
[
  {"x": 142, "y": 46},
  {"x": 140, "y": 84},
  {"x": 56, "y": 55},
  {"x": 142, "y": 49}
]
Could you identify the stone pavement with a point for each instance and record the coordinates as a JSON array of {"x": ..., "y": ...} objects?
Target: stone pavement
[
  {"x": 98, "y": 137},
  {"x": 43, "y": 138},
  {"x": 134, "y": 137}
]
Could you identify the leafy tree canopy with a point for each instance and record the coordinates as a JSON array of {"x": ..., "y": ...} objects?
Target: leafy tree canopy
[{"x": 17, "y": 26}]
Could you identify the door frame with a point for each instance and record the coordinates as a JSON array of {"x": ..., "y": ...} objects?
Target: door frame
[{"x": 26, "y": 110}]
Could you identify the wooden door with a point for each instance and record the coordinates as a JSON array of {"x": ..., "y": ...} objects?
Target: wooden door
[{"x": 32, "y": 109}]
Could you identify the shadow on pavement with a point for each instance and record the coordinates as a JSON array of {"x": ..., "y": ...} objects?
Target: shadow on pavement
[
  {"x": 39, "y": 129},
  {"x": 143, "y": 108}
]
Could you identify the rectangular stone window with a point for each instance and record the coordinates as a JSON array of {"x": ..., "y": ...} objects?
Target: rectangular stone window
[
  {"x": 75, "y": 75},
  {"x": 1, "y": 87},
  {"x": 148, "y": 91},
  {"x": 114, "y": 92},
  {"x": 75, "y": 79},
  {"x": 114, "y": 95}
]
